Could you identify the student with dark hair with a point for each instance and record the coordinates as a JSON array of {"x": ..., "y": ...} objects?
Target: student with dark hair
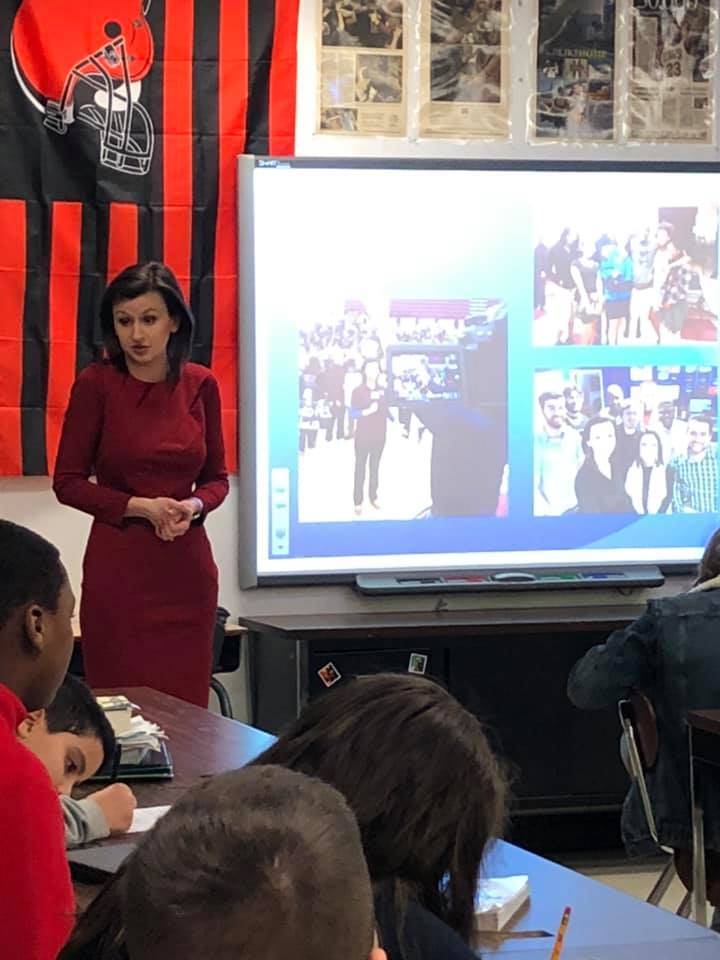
[
  {"x": 672, "y": 656},
  {"x": 428, "y": 793},
  {"x": 36, "y": 641},
  {"x": 257, "y": 863},
  {"x": 146, "y": 423},
  {"x": 73, "y": 739}
]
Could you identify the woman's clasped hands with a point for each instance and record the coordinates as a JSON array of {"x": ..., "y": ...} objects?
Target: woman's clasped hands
[{"x": 170, "y": 518}]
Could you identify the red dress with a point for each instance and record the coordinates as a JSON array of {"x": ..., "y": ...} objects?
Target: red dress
[{"x": 148, "y": 606}]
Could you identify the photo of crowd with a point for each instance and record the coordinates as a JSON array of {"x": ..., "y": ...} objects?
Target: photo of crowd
[
  {"x": 396, "y": 405},
  {"x": 628, "y": 440},
  {"x": 362, "y": 23},
  {"x": 637, "y": 283},
  {"x": 425, "y": 374}
]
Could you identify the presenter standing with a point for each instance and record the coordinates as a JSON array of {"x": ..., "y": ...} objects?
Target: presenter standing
[{"x": 146, "y": 424}]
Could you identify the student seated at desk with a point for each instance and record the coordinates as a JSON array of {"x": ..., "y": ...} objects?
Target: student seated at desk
[
  {"x": 672, "y": 655},
  {"x": 257, "y": 864},
  {"x": 36, "y": 604},
  {"x": 73, "y": 738},
  {"x": 427, "y": 791}
]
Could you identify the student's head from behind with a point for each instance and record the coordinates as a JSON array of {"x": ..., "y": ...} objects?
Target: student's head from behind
[
  {"x": 599, "y": 439},
  {"x": 145, "y": 319},
  {"x": 709, "y": 566},
  {"x": 261, "y": 862},
  {"x": 36, "y": 607},
  {"x": 72, "y": 737},
  {"x": 418, "y": 772},
  {"x": 553, "y": 409}
]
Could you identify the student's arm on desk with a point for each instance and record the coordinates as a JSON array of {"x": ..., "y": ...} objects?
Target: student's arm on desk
[
  {"x": 611, "y": 670},
  {"x": 106, "y": 811}
]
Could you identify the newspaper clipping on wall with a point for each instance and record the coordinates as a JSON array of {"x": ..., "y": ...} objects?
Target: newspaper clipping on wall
[
  {"x": 361, "y": 61},
  {"x": 672, "y": 55},
  {"x": 575, "y": 70},
  {"x": 464, "y": 62}
]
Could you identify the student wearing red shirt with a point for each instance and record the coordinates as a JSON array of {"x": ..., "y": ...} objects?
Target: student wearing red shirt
[{"x": 36, "y": 640}]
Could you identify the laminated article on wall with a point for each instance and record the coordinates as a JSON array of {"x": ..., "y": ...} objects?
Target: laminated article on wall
[
  {"x": 465, "y": 68},
  {"x": 361, "y": 76},
  {"x": 672, "y": 53},
  {"x": 575, "y": 64}
]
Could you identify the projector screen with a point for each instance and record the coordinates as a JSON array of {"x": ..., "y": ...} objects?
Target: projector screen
[{"x": 467, "y": 366}]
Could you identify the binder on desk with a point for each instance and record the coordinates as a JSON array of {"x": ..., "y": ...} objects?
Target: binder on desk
[{"x": 151, "y": 765}]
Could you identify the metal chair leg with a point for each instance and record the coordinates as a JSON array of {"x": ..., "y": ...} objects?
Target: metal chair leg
[
  {"x": 662, "y": 883},
  {"x": 684, "y": 909},
  {"x": 223, "y": 698}
]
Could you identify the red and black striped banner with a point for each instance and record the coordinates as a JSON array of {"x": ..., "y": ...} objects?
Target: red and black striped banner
[{"x": 120, "y": 121}]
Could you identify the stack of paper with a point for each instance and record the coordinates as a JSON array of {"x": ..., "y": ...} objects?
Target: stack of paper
[
  {"x": 142, "y": 737},
  {"x": 118, "y": 710},
  {"x": 497, "y": 899}
]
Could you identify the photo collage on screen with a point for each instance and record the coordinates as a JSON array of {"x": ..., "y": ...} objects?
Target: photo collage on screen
[
  {"x": 637, "y": 435},
  {"x": 403, "y": 411}
]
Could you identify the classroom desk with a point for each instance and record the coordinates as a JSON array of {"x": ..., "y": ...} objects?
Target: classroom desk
[
  {"x": 604, "y": 922},
  {"x": 201, "y": 743},
  {"x": 704, "y": 733},
  {"x": 204, "y": 744}
]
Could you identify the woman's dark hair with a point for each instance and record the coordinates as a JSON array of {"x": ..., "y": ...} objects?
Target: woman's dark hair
[
  {"x": 259, "y": 862},
  {"x": 420, "y": 776},
  {"x": 75, "y": 710},
  {"x": 133, "y": 282},
  {"x": 650, "y": 433},
  {"x": 30, "y": 570},
  {"x": 587, "y": 429},
  {"x": 709, "y": 566}
]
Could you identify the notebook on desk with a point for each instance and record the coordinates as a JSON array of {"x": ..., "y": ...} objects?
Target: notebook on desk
[
  {"x": 153, "y": 765},
  {"x": 98, "y": 863}
]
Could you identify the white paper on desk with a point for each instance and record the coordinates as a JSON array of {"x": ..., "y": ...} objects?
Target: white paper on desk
[{"x": 145, "y": 818}]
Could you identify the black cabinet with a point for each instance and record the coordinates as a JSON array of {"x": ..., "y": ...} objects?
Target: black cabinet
[
  {"x": 510, "y": 668},
  {"x": 561, "y": 758}
]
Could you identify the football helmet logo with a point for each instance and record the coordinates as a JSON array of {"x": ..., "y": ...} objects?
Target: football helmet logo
[{"x": 90, "y": 73}]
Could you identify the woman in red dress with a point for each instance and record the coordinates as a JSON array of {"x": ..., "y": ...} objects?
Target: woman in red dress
[{"x": 146, "y": 424}]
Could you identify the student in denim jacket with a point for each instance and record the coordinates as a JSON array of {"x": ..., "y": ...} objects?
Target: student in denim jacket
[{"x": 671, "y": 654}]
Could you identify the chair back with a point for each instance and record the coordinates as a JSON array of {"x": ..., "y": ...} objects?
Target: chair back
[
  {"x": 640, "y": 743},
  {"x": 218, "y": 637}
]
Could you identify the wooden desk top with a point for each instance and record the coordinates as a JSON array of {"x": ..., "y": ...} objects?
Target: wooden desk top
[
  {"x": 601, "y": 916},
  {"x": 707, "y": 720},
  {"x": 201, "y": 743},
  {"x": 470, "y": 622}
]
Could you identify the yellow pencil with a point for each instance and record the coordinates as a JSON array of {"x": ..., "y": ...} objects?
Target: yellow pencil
[{"x": 559, "y": 939}]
